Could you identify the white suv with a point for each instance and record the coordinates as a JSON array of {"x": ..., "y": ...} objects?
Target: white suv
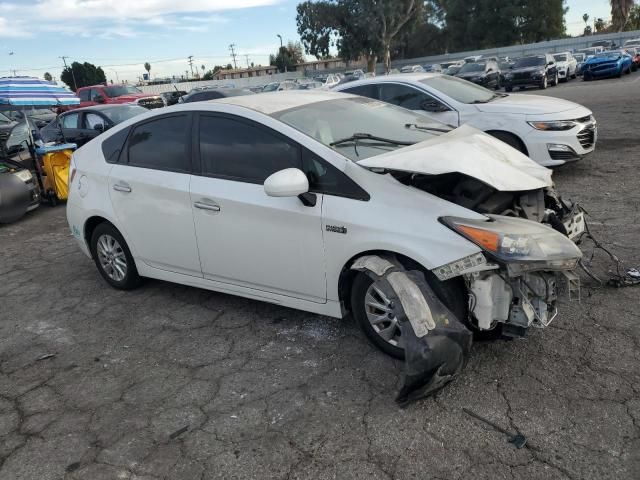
[
  {"x": 550, "y": 130},
  {"x": 277, "y": 197},
  {"x": 566, "y": 65}
]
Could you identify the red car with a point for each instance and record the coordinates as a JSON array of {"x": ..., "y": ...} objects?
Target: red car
[{"x": 109, "y": 94}]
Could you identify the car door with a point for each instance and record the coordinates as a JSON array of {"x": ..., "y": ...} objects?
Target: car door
[
  {"x": 149, "y": 189},
  {"x": 70, "y": 127},
  {"x": 245, "y": 237},
  {"x": 409, "y": 97}
]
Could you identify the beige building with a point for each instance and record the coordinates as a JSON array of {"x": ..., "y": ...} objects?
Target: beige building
[{"x": 245, "y": 73}]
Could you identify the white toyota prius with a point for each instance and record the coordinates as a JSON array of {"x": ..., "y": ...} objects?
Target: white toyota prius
[{"x": 277, "y": 196}]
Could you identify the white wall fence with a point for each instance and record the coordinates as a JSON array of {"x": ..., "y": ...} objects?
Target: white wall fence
[
  {"x": 551, "y": 46},
  {"x": 236, "y": 82}
]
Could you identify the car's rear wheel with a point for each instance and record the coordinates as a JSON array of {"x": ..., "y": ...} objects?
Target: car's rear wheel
[
  {"x": 113, "y": 257},
  {"x": 372, "y": 310}
]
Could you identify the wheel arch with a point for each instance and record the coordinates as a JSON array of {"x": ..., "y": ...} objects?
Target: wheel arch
[
  {"x": 347, "y": 275},
  {"x": 515, "y": 136}
]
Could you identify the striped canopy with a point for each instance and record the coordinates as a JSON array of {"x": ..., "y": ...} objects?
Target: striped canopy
[{"x": 31, "y": 91}]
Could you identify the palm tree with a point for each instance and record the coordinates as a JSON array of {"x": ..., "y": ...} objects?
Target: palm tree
[
  {"x": 202, "y": 67},
  {"x": 147, "y": 67},
  {"x": 620, "y": 13}
]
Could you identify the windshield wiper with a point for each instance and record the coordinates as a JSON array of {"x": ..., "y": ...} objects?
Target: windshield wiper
[
  {"x": 367, "y": 136},
  {"x": 493, "y": 97},
  {"x": 424, "y": 127}
]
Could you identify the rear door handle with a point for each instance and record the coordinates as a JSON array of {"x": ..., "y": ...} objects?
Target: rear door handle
[
  {"x": 206, "y": 206},
  {"x": 122, "y": 188}
]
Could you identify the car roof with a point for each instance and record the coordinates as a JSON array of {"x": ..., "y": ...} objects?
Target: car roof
[
  {"x": 100, "y": 108},
  {"x": 273, "y": 102}
]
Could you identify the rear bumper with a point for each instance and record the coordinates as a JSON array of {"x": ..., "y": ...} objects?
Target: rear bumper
[{"x": 76, "y": 220}]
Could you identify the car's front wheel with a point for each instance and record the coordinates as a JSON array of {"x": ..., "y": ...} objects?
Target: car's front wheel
[
  {"x": 113, "y": 257},
  {"x": 544, "y": 83},
  {"x": 373, "y": 310}
]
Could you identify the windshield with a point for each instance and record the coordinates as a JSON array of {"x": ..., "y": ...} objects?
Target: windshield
[
  {"x": 609, "y": 55},
  {"x": 459, "y": 90},
  {"x": 330, "y": 121},
  {"x": 121, "y": 113},
  {"x": 270, "y": 87},
  {"x": 121, "y": 90},
  {"x": 529, "y": 62},
  {"x": 560, "y": 58},
  {"x": 472, "y": 67},
  {"x": 452, "y": 70}
]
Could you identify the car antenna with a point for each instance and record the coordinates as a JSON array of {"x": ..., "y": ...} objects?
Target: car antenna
[{"x": 177, "y": 91}]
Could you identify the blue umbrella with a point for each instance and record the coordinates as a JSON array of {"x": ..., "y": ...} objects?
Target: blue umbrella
[{"x": 31, "y": 91}]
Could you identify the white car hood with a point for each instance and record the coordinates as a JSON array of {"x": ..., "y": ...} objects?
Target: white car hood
[
  {"x": 526, "y": 105},
  {"x": 469, "y": 151}
]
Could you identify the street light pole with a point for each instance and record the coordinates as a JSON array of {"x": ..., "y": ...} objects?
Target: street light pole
[
  {"x": 285, "y": 63},
  {"x": 64, "y": 59}
]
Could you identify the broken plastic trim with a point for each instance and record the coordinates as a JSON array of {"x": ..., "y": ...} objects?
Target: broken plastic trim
[{"x": 436, "y": 343}]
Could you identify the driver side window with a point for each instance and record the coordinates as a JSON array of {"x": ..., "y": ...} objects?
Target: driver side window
[{"x": 410, "y": 98}]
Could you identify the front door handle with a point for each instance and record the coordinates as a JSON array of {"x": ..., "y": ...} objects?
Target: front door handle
[
  {"x": 122, "y": 188},
  {"x": 206, "y": 206}
]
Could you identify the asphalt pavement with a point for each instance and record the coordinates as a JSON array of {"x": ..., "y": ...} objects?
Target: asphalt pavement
[{"x": 173, "y": 382}]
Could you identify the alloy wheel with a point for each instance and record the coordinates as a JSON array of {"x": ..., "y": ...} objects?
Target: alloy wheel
[
  {"x": 379, "y": 311},
  {"x": 112, "y": 258}
]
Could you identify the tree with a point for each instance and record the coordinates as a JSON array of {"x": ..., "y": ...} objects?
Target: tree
[
  {"x": 633, "y": 22},
  {"x": 211, "y": 73},
  {"x": 287, "y": 56},
  {"x": 202, "y": 68},
  {"x": 620, "y": 10},
  {"x": 147, "y": 67},
  {"x": 47, "y": 76},
  {"x": 86, "y": 74},
  {"x": 600, "y": 25},
  {"x": 356, "y": 27}
]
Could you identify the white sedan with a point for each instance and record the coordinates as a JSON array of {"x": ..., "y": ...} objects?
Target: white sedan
[
  {"x": 551, "y": 131},
  {"x": 286, "y": 198}
]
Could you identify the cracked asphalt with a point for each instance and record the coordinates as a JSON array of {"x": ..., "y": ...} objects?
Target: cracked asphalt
[{"x": 172, "y": 382}]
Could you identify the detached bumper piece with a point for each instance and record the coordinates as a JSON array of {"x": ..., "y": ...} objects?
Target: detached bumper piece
[{"x": 436, "y": 343}]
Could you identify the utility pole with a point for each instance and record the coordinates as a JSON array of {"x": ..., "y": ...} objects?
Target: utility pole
[
  {"x": 75, "y": 85},
  {"x": 247, "y": 58},
  {"x": 280, "y": 53},
  {"x": 191, "y": 64},
  {"x": 233, "y": 55}
]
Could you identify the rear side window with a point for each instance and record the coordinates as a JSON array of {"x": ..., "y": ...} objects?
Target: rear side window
[
  {"x": 202, "y": 96},
  {"x": 243, "y": 150},
  {"x": 370, "y": 91},
  {"x": 162, "y": 144},
  {"x": 112, "y": 146},
  {"x": 403, "y": 96}
]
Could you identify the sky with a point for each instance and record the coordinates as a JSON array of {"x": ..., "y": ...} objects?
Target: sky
[{"x": 120, "y": 35}]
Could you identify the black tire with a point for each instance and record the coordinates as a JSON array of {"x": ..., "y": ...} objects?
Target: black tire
[
  {"x": 628, "y": 72},
  {"x": 451, "y": 292},
  {"x": 131, "y": 278},
  {"x": 555, "y": 81},
  {"x": 510, "y": 139},
  {"x": 543, "y": 83}
]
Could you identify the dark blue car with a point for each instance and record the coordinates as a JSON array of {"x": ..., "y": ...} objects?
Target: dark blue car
[{"x": 607, "y": 64}]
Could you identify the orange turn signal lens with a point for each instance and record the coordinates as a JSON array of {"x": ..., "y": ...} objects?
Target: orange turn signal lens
[{"x": 487, "y": 240}]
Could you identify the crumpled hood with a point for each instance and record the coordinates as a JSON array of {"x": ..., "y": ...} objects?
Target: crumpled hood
[
  {"x": 599, "y": 60},
  {"x": 469, "y": 151},
  {"x": 527, "y": 105}
]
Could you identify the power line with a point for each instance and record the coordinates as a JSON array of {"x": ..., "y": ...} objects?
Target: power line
[
  {"x": 247, "y": 58},
  {"x": 233, "y": 55}
]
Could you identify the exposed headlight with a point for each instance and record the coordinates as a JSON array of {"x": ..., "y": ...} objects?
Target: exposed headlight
[
  {"x": 520, "y": 241},
  {"x": 554, "y": 125}
]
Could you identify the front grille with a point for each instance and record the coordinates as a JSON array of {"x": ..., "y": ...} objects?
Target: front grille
[
  {"x": 556, "y": 155},
  {"x": 602, "y": 66},
  {"x": 522, "y": 76},
  {"x": 587, "y": 136},
  {"x": 151, "y": 102}
]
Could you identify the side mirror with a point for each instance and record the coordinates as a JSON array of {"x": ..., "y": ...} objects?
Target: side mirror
[
  {"x": 289, "y": 182},
  {"x": 98, "y": 99},
  {"x": 99, "y": 127}
]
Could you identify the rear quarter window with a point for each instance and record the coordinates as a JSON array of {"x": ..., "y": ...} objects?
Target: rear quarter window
[{"x": 112, "y": 146}]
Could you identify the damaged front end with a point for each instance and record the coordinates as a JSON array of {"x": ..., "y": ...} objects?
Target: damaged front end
[{"x": 512, "y": 284}]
